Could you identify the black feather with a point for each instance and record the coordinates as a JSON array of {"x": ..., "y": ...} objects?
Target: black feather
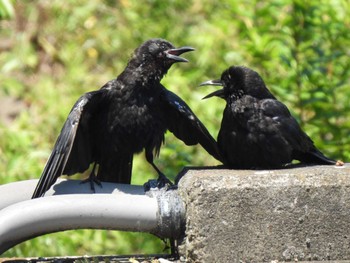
[
  {"x": 127, "y": 115},
  {"x": 257, "y": 130}
]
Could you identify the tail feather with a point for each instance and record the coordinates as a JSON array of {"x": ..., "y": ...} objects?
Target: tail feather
[
  {"x": 118, "y": 171},
  {"x": 314, "y": 157}
]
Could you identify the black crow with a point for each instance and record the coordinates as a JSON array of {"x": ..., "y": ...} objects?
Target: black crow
[
  {"x": 257, "y": 130},
  {"x": 108, "y": 126}
]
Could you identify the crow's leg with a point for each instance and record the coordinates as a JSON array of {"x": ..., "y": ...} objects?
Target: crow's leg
[
  {"x": 92, "y": 179},
  {"x": 162, "y": 180}
]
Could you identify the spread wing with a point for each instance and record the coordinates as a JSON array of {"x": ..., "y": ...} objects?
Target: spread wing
[
  {"x": 65, "y": 157},
  {"x": 185, "y": 125}
]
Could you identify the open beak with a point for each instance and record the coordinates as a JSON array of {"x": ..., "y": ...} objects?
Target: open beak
[
  {"x": 218, "y": 93},
  {"x": 174, "y": 54},
  {"x": 214, "y": 82}
]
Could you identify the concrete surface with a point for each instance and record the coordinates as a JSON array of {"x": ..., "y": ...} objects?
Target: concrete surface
[{"x": 297, "y": 214}]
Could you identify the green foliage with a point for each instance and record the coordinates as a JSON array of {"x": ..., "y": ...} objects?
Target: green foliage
[
  {"x": 6, "y": 9},
  {"x": 60, "y": 49},
  {"x": 92, "y": 242}
]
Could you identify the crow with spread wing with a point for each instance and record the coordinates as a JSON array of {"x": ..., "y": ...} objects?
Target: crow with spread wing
[{"x": 127, "y": 115}]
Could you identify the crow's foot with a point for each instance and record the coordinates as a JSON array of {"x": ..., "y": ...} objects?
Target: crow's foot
[
  {"x": 92, "y": 179},
  {"x": 163, "y": 181},
  {"x": 160, "y": 183}
]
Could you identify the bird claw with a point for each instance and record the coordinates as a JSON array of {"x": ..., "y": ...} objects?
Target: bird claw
[
  {"x": 92, "y": 179},
  {"x": 151, "y": 184},
  {"x": 161, "y": 182}
]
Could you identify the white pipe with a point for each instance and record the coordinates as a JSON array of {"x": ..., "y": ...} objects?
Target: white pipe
[
  {"x": 23, "y": 190},
  {"x": 124, "y": 207},
  {"x": 28, "y": 219}
]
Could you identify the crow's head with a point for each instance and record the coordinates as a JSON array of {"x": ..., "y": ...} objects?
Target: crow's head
[
  {"x": 156, "y": 56},
  {"x": 237, "y": 82}
]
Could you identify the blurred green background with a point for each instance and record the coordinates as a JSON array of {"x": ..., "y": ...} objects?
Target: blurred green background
[{"x": 53, "y": 51}]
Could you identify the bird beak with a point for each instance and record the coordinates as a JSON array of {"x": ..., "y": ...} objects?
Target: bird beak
[
  {"x": 215, "y": 82},
  {"x": 174, "y": 54},
  {"x": 218, "y": 93}
]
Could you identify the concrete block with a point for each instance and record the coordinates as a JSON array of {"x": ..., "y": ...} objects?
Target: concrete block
[{"x": 300, "y": 213}]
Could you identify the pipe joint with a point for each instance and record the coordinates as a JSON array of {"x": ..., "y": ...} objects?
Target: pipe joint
[{"x": 171, "y": 217}]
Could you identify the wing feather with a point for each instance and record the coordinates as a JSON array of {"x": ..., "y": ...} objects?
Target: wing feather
[
  {"x": 185, "y": 125},
  {"x": 303, "y": 148},
  {"x": 56, "y": 164}
]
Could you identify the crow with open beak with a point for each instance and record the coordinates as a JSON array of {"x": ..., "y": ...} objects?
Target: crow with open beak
[
  {"x": 257, "y": 131},
  {"x": 128, "y": 114}
]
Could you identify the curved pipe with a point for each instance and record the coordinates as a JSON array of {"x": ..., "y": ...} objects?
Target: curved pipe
[
  {"x": 23, "y": 190},
  {"x": 125, "y": 208}
]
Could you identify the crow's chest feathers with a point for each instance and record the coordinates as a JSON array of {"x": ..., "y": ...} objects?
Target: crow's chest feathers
[
  {"x": 137, "y": 120},
  {"x": 241, "y": 112},
  {"x": 139, "y": 109}
]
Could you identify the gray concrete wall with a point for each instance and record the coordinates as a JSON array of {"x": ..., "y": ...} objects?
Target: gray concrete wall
[{"x": 260, "y": 216}]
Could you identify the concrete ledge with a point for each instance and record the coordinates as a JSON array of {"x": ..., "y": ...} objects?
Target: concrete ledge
[{"x": 301, "y": 214}]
